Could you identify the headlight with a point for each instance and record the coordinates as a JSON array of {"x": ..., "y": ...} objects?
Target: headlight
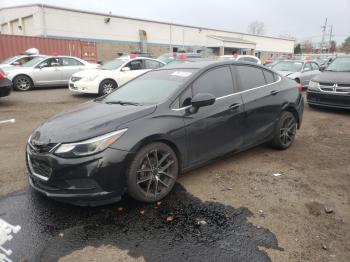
[
  {"x": 90, "y": 146},
  {"x": 314, "y": 85},
  {"x": 90, "y": 78}
]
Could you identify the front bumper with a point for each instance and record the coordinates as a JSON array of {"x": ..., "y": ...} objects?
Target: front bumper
[
  {"x": 5, "y": 87},
  {"x": 327, "y": 99},
  {"x": 83, "y": 87},
  {"x": 92, "y": 180}
]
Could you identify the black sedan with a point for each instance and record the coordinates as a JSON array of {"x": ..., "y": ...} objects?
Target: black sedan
[
  {"x": 332, "y": 87},
  {"x": 5, "y": 85},
  {"x": 139, "y": 138}
]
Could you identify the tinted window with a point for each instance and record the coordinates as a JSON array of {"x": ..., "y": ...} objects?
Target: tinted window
[
  {"x": 217, "y": 82},
  {"x": 269, "y": 76},
  {"x": 250, "y": 77},
  {"x": 185, "y": 97},
  {"x": 135, "y": 65},
  {"x": 151, "y": 64},
  {"x": 67, "y": 61}
]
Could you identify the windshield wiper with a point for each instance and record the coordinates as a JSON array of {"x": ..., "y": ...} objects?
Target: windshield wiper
[{"x": 122, "y": 103}]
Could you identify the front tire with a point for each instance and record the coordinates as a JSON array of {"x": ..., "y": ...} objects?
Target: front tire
[
  {"x": 106, "y": 87},
  {"x": 22, "y": 83},
  {"x": 152, "y": 173},
  {"x": 285, "y": 131}
]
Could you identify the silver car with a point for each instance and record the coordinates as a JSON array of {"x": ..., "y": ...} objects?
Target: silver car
[
  {"x": 301, "y": 71},
  {"x": 46, "y": 71}
]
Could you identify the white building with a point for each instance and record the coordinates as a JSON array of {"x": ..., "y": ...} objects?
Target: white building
[{"x": 121, "y": 34}]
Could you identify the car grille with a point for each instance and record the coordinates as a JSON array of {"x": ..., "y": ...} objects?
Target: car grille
[
  {"x": 45, "y": 148},
  {"x": 335, "y": 88},
  {"x": 74, "y": 78},
  {"x": 39, "y": 167}
]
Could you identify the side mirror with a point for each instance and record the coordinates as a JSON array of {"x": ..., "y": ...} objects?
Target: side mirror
[
  {"x": 40, "y": 66},
  {"x": 16, "y": 63},
  {"x": 306, "y": 69},
  {"x": 125, "y": 69},
  {"x": 202, "y": 99},
  {"x": 322, "y": 68},
  {"x": 55, "y": 64}
]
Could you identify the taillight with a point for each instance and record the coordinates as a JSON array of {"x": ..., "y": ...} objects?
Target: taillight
[
  {"x": 2, "y": 75},
  {"x": 300, "y": 88}
]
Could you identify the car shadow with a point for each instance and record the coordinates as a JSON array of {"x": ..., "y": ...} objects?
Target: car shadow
[{"x": 181, "y": 227}]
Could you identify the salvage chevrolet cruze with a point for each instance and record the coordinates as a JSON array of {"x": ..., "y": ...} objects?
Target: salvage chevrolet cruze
[{"x": 139, "y": 138}]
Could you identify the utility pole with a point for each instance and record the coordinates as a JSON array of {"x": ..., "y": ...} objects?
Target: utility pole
[
  {"x": 324, "y": 28},
  {"x": 330, "y": 37}
]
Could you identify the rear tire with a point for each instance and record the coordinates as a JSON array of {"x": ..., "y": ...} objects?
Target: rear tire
[
  {"x": 152, "y": 173},
  {"x": 285, "y": 131},
  {"x": 106, "y": 87},
  {"x": 22, "y": 83}
]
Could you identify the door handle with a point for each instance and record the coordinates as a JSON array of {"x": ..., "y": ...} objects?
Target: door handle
[
  {"x": 274, "y": 92},
  {"x": 234, "y": 106}
]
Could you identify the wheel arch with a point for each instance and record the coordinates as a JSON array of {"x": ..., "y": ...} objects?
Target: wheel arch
[
  {"x": 293, "y": 110},
  {"x": 108, "y": 78},
  {"x": 30, "y": 78},
  {"x": 163, "y": 139}
]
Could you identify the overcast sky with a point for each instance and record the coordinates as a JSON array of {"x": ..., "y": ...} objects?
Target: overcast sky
[{"x": 301, "y": 19}]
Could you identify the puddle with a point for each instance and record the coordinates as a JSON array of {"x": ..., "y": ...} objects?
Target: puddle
[{"x": 51, "y": 230}]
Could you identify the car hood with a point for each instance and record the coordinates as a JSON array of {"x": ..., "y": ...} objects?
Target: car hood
[
  {"x": 333, "y": 77},
  {"x": 286, "y": 73},
  {"x": 88, "y": 120},
  {"x": 93, "y": 72}
]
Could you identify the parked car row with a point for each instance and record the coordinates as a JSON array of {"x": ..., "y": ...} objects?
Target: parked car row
[
  {"x": 85, "y": 77},
  {"x": 108, "y": 77}
]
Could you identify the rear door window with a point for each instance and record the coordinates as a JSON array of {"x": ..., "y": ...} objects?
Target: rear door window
[
  {"x": 269, "y": 76},
  {"x": 217, "y": 82},
  {"x": 68, "y": 61},
  {"x": 250, "y": 77}
]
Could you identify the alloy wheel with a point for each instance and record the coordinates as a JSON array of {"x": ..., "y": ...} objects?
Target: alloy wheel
[
  {"x": 156, "y": 173},
  {"x": 23, "y": 84},
  {"x": 107, "y": 88},
  {"x": 288, "y": 130}
]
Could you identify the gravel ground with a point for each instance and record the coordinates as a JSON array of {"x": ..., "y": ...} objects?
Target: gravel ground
[{"x": 266, "y": 217}]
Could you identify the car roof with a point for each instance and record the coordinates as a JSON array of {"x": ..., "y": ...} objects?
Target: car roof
[{"x": 207, "y": 64}]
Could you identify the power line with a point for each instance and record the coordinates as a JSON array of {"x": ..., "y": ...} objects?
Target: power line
[{"x": 323, "y": 35}]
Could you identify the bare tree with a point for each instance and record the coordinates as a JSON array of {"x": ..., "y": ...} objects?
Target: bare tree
[
  {"x": 256, "y": 28},
  {"x": 333, "y": 46},
  {"x": 307, "y": 46}
]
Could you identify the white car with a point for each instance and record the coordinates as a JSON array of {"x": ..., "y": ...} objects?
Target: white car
[
  {"x": 111, "y": 75},
  {"x": 242, "y": 58}
]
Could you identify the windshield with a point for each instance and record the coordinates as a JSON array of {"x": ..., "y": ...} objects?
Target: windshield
[
  {"x": 114, "y": 64},
  {"x": 151, "y": 88},
  {"x": 34, "y": 61},
  {"x": 10, "y": 60},
  {"x": 289, "y": 66},
  {"x": 340, "y": 64}
]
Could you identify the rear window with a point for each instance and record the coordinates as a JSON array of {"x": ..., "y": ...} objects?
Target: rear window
[{"x": 250, "y": 77}]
